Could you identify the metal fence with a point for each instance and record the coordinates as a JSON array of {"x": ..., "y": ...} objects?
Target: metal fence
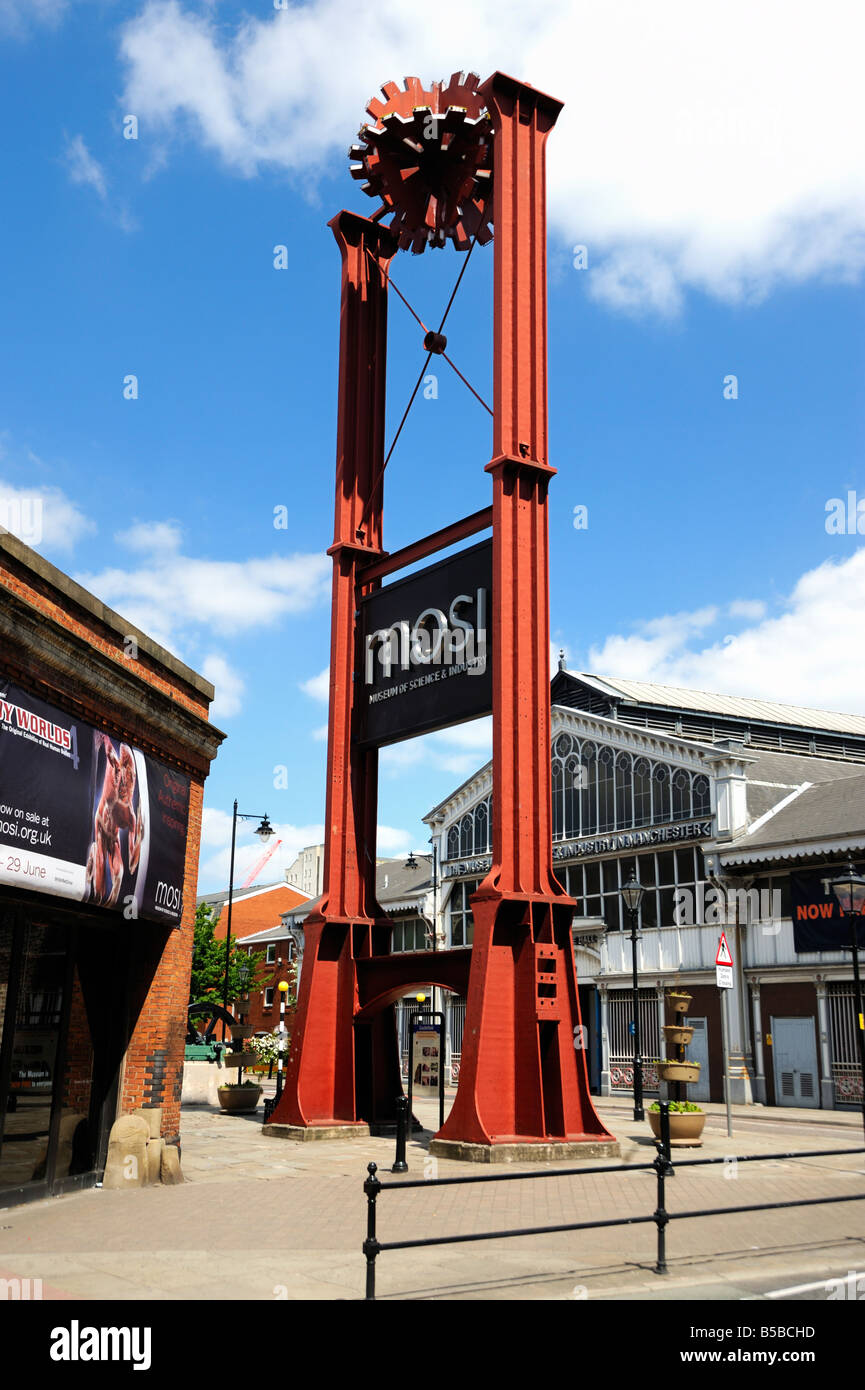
[
  {"x": 620, "y": 1013},
  {"x": 846, "y": 1071},
  {"x": 457, "y": 1016},
  {"x": 662, "y": 1168}
]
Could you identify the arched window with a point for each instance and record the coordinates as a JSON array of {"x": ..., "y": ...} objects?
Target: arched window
[
  {"x": 681, "y": 794},
  {"x": 702, "y": 796},
  {"x": 482, "y": 827},
  {"x": 558, "y": 777},
  {"x": 606, "y": 791},
  {"x": 563, "y": 746},
  {"x": 588, "y": 789},
  {"x": 660, "y": 793},
  {"x": 642, "y": 792},
  {"x": 467, "y": 834},
  {"x": 624, "y": 792},
  {"x": 572, "y": 780},
  {"x": 454, "y": 841}
]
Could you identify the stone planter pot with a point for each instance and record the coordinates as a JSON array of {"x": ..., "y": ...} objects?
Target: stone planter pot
[
  {"x": 686, "y": 1127},
  {"x": 679, "y": 1002},
  {"x": 678, "y": 1035},
  {"x": 239, "y": 1098},
  {"x": 687, "y": 1072},
  {"x": 239, "y": 1059}
]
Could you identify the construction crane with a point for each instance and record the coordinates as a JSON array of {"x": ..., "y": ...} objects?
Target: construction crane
[{"x": 259, "y": 865}]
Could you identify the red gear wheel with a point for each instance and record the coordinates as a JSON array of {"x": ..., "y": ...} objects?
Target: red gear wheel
[{"x": 428, "y": 158}]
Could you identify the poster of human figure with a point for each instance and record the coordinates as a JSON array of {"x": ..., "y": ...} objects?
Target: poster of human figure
[
  {"x": 87, "y": 816},
  {"x": 119, "y": 781}
]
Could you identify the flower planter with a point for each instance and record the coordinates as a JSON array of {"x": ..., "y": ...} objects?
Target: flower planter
[
  {"x": 239, "y": 1059},
  {"x": 240, "y": 1031},
  {"x": 686, "y": 1126},
  {"x": 239, "y": 1098},
  {"x": 687, "y": 1072},
  {"x": 679, "y": 1002},
  {"x": 678, "y": 1035}
]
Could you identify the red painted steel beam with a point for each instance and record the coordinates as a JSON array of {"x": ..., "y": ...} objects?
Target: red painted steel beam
[
  {"x": 521, "y": 1079},
  {"x": 321, "y": 1075},
  {"x": 448, "y": 535},
  {"x": 522, "y": 827}
]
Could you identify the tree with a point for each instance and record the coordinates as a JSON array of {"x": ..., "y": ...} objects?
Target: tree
[{"x": 208, "y": 963}]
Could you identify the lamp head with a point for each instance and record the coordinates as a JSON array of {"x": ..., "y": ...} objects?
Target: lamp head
[
  {"x": 632, "y": 894},
  {"x": 265, "y": 830},
  {"x": 849, "y": 890}
]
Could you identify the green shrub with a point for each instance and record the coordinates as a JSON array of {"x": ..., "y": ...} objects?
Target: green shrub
[{"x": 680, "y": 1107}]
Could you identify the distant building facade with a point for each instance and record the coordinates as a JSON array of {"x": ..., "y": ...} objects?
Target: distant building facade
[
  {"x": 307, "y": 871},
  {"x": 722, "y": 808}
]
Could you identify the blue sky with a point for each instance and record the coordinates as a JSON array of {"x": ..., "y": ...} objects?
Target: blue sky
[{"x": 725, "y": 229}]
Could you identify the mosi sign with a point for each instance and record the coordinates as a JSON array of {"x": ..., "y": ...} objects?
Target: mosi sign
[{"x": 426, "y": 649}]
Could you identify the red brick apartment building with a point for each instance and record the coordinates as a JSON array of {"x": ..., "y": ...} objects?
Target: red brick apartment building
[{"x": 104, "y": 748}]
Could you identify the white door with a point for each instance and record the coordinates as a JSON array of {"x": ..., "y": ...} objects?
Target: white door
[
  {"x": 698, "y": 1051},
  {"x": 794, "y": 1048}
]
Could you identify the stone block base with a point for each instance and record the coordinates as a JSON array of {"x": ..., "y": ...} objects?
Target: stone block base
[
  {"x": 304, "y": 1134},
  {"x": 523, "y": 1152},
  {"x": 200, "y": 1083}
]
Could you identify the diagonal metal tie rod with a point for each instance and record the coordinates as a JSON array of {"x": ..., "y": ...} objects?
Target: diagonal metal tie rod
[{"x": 392, "y": 283}]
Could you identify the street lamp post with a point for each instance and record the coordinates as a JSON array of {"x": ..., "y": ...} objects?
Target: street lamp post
[
  {"x": 849, "y": 890},
  {"x": 265, "y": 831},
  {"x": 632, "y": 897}
]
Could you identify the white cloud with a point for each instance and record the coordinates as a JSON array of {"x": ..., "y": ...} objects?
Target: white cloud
[
  {"x": 83, "y": 168},
  {"x": 215, "y": 858},
  {"x": 18, "y": 16},
  {"x": 170, "y": 594},
  {"x": 228, "y": 684},
  {"x": 42, "y": 517},
  {"x": 320, "y": 734},
  {"x": 151, "y": 537},
  {"x": 685, "y": 157},
  {"x": 747, "y": 608},
  {"x": 809, "y": 653},
  {"x": 460, "y": 750},
  {"x": 392, "y": 842},
  {"x": 318, "y": 687}
]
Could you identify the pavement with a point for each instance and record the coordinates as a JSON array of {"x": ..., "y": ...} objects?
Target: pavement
[{"x": 278, "y": 1220}]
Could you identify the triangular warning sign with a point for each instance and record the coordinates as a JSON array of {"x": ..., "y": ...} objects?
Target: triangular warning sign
[{"x": 723, "y": 957}]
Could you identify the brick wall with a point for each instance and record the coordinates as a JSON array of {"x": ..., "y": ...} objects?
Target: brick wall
[
  {"x": 65, "y": 647},
  {"x": 160, "y": 969}
]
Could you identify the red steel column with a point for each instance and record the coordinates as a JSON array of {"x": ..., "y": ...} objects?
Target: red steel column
[
  {"x": 320, "y": 1085},
  {"x": 521, "y": 1078}
]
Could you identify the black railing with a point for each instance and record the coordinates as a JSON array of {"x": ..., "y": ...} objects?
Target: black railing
[{"x": 662, "y": 1166}]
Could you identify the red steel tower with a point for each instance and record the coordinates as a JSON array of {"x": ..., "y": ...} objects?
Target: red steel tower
[{"x": 445, "y": 163}]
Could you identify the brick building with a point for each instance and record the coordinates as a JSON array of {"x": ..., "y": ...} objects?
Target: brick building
[
  {"x": 253, "y": 909},
  {"x": 104, "y": 748}
]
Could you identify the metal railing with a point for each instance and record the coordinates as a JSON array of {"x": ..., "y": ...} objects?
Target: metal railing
[{"x": 662, "y": 1166}]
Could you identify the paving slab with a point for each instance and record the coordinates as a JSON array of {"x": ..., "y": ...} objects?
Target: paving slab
[{"x": 289, "y": 1220}]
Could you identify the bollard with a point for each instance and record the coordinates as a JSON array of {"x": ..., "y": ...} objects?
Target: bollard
[
  {"x": 371, "y": 1247},
  {"x": 399, "y": 1163},
  {"x": 664, "y": 1169}
]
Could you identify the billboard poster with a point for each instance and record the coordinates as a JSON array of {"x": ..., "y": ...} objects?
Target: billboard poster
[
  {"x": 86, "y": 816},
  {"x": 426, "y": 649},
  {"x": 425, "y": 1060},
  {"x": 818, "y": 924}
]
